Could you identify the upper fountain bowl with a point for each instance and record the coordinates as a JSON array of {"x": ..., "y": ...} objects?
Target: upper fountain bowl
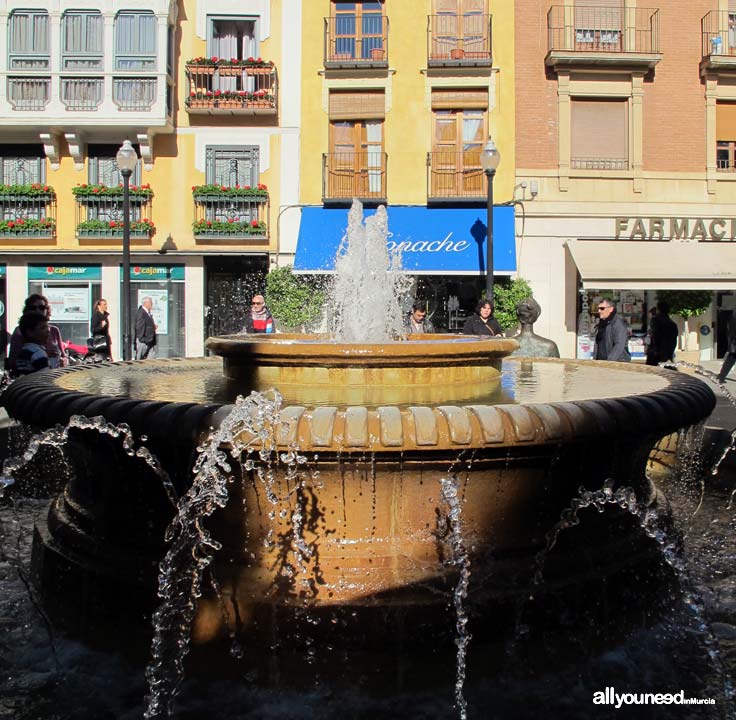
[{"x": 314, "y": 369}]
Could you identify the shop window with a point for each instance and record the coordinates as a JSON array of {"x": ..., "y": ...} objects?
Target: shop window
[{"x": 599, "y": 129}]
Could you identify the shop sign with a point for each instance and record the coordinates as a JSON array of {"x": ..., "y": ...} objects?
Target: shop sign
[
  {"x": 155, "y": 273},
  {"x": 64, "y": 272},
  {"x": 666, "y": 229}
]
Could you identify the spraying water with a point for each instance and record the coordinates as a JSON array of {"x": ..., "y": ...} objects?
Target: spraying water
[{"x": 364, "y": 268}]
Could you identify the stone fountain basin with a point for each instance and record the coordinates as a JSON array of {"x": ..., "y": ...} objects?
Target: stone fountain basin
[{"x": 373, "y": 515}]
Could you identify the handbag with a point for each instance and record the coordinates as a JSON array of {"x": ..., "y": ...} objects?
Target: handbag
[{"x": 97, "y": 343}]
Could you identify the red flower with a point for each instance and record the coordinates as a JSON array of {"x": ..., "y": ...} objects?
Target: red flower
[
  {"x": 21, "y": 222},
  {"x": 192, "y": 94},
  {"x": 209, "y": 222},
  {"x": 112, "y": 223},
  {"x": 230, "y": 220},
  {"x": 224, "y": 188},
  {"x": 146, "y": 220},
  {"x": 218, "y": 93},
  {"x": 11, "y": 224},
  {"x": 261, "y": 186},
  {"x": 96, "y": 190},
  {"x": 246, "y": 187},
  {"x": 251, "y": 59},
  {"x": 254, "y": 224},
  {"x": 45, "y": 188},
  {"x": 237, "y": 187},
  {"x": 214, "y": 58}
]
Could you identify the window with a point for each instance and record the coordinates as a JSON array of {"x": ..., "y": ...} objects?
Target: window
[
  {"x": 231, "y": 166},
  {"x": 81, "y": 41},
  {"x": 103, "y": 169},
  {"x": 22, "y": 165},
  {"x": 458, "y": 137},
  {"x": 599, "y": 130},
  {"x": 459, "y": 26},
  {"x": 725, "y": 156},
  {"x": 233, "y": 38},
  {"x": 135, "y": 41},
  {"x": 357, "y": 29},
  {"x": 725, "y": 136},
  {"x": 28, "y": 40},
  {"x": 356, "y": 159},
  {"x": 598, "y": 25}
]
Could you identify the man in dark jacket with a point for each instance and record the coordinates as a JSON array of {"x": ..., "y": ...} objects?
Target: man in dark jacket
[
  {"x": 417, "y": 321},
  {"x": 145, "y": 331},
  {"x": 663, "y": 333},
  {"x": 730, "y": 359},
  {"x": 612, "y": 335}
]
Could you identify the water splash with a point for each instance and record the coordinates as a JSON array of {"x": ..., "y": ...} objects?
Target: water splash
[
  {"x": 364, "y": 268},
  {"x": 449, "y": 488}
]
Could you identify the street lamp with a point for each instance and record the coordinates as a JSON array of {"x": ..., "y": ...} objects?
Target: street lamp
[
  {"x": 126, "y": 160},
  {"x": 490, "y": 158}
]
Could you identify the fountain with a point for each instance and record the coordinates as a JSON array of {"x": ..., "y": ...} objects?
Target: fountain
[{"x": 385, "y": 480}]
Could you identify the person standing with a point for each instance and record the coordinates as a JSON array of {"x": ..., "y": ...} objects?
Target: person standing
[
  {"x": 417, "y": 321},
  {"x": 482, "y": 321},
  {"x": 730, "y": 359},
  {"x": 259, "y": 319},
  {"x": 145, "y": 331},
  {"x": 612, "y": 335},
  {"x": 100, "y": 328},
  {"x": 663, "y": 334}
]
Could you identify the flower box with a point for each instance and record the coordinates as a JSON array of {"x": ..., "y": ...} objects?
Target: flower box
[
  {"x": 211, "y": 199},
  {"x": 230, "y": 71},
  {"x": 111, "y": 233},
  {"x": 44, "y": 197}
]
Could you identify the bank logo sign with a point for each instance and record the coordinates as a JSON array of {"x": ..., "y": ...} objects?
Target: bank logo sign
[{"x": 65, "y": 272}]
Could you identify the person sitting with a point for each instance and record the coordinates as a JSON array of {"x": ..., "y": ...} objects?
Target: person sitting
[
  {"x": 417, "y": 321},
  {"x": 483, "y": 322},
  {"x": 259, "y": 319},
  {"x": 34, "y": 329},
  {"x": 54, "y": 345}
]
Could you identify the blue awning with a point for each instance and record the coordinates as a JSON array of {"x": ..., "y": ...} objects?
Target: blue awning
[{"x": 432, "y": 240}]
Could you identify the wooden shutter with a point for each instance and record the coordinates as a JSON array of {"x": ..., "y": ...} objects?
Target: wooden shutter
[
  {"x": 599, "y": 131},
  {"x": 463, "y": 99},
  {"x": 726, "y": 121},
  {"x": 369, "y": 105},
  {"x": 732, "y": 5},
  {"x": 598, "y": 14},
  {"x": 446, "y": 6}
]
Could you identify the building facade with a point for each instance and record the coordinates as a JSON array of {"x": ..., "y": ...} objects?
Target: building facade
[
  {"x": 208, "y": 92},
  {"x": 625, "y": 127},
  {"x": 398, "y": 100}
]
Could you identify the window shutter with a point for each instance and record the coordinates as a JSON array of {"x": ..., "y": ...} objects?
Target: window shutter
[
  {"x": 732, "y": 5},
  {"x": 446, "y": 6},
  {"x": 357, "y": 105},
  {"x": 598, "y": 14},
  {"x": 600, "y": 134},
  {"x": 726, "y": 121},
  {"x": 459, "y": 99}
]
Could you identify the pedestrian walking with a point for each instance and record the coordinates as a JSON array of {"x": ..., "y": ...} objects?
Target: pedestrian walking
[
  {"x": 145, "y": 331},
  {"x": 100, "y": 330},
  {"x": 611, "y": 334},
  {"x": 730, "y": 359},
  {"x": 259, "y": 318},
  {"x": 663, "y": 334}
]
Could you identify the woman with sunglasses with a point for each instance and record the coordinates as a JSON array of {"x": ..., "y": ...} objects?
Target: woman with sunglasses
[{"x": 54, "y": 345}]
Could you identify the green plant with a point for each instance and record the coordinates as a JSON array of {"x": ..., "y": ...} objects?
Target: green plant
[
  {"x": 687, "y": 304},
  {"x": 19, "y": 226},
  {"x": 115, "y": 227},
  {"x": 295, "y": 301},
  {"x": 230, "y": 227},
  {"x": 30, "y": 189},
  {"x": 245, "y": 191},
  {"x": 506, "y": 294},
  {"x": 100, "y": 190},
  {"x": 229, "y": 62}
]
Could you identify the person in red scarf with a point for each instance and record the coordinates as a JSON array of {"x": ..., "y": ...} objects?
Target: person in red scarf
[{"x": 259, "y": 319}]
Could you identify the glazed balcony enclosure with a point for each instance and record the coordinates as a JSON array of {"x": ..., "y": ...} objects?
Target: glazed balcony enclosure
[
  {"x": 230, "y": 215},
  {"x": 459, "y": 40},
  {"x": 27, "y": 212},
  {"x": 348, "y": 175},
  {"x": 719, "y": 40},
  {"x": 99, "y": 214},
  {"x": 614, "y": 36},
  {"x": 231, "y": 87}
]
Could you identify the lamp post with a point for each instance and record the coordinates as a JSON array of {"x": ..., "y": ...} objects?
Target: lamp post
[
  {"x": 490, "y": 158},
  {"x": 126, "y": 160}
]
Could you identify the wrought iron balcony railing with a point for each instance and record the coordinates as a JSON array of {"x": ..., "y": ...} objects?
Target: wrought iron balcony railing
[
  {"x": 719, "y": 35},
  {"x": 603, "y": 30},
  {"x": 101, "y": 217},
  {"x": 225, "y": 218},
  {"x": 459, "y": 39},
  {"x": 236, "y": 90},
  {"x": 352, "y": 41},
  {"x": 28, "y": 216},
  {"x": 453, "y": 176},
  {"x": 348, "y": 175}
]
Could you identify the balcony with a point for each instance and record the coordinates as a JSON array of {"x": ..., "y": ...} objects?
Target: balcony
[
  {"x": 351, "y": 44},
  {"x": 27, "y": 212},
  {"x": 72, "y": 100},
  {"x": 719, "y": 41},
  {"x": 454, "y": 177},
  {"x": 603, "y": 36},
  {"x": 348, "y": 175},
  {"x": 232, "y": 89},
  {"x": 224, "y": 215},
  {"x": 99, "y": 214},
  {"x": 459, "y": 41}
]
